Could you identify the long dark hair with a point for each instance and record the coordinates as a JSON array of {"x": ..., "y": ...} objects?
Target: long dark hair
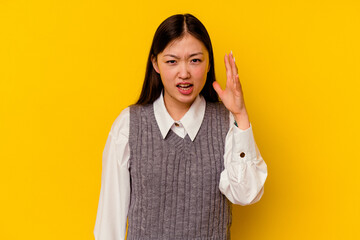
[{"x": 173, "y": 28}]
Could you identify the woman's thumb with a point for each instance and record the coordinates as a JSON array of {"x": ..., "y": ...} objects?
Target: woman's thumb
[{"x": 217, "y": 88}]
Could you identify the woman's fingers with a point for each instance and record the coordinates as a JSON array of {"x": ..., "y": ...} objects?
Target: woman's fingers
[
  {"x": 238, "y": 84},
  {"x": 228, "y": 69},
  {"x": 233, "y": 67},
  {"x": 234, "y": 70}
]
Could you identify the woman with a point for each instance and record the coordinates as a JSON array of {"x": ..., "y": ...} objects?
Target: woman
[{"x": 176, "y": 160}]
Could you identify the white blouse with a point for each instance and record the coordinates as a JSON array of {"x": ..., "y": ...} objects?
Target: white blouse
[{"x": 242, "y": 180}]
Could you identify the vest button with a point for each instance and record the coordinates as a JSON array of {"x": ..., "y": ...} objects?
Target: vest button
[{"x": 242, "y": 154}]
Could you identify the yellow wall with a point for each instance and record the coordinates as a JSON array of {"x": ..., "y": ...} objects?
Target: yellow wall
[{"x": 67, "y": 69}]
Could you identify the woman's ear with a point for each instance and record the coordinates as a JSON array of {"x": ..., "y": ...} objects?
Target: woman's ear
[{"x": 155, "y": 65}]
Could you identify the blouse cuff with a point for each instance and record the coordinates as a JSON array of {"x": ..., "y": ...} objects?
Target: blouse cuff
[{"x": 243, "y": 145}]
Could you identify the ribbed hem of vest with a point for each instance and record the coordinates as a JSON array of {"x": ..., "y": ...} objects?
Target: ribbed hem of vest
[{"x": 174, "y": 238}]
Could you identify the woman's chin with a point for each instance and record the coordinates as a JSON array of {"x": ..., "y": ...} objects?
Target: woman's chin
[
  {"x": 180, "y": 99},
  {"x": 187, "y": 99}
]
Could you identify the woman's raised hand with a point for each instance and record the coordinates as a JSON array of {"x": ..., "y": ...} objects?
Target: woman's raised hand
[{"x": 232, "y": 97}]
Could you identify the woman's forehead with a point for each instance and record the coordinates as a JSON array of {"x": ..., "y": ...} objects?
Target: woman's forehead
[{"x": 185, "y": 45}]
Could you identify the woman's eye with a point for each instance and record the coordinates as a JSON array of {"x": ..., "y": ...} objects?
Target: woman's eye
[
  {"x": 171, "y": 61},
  {"x": 196, "y": 60}
]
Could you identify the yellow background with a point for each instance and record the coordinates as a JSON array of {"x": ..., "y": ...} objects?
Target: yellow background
[{"x": 68, "y": 68}]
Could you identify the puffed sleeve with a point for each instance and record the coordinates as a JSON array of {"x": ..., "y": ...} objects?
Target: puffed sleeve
[
  {"x": 115, "y": 183},
  {"x": 243, "y": 178}
]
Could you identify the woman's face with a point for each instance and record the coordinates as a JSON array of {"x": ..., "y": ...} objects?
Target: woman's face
[{"x": 183, "y": 67}]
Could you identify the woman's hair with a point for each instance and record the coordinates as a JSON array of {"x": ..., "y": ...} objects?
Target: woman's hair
[{"x": 173, "y": 28}]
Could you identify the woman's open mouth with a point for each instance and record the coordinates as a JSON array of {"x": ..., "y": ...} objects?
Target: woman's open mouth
[{"x": 185, "y": 88}]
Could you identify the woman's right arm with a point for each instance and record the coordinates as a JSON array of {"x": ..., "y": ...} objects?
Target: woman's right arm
[{"x": 115, "y": 183}]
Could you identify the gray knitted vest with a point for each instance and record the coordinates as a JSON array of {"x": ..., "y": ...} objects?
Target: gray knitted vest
[{"x": 175, "y": 182}]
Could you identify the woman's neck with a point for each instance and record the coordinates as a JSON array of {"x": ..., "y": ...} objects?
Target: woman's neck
[{"x": 176, "y": 109}]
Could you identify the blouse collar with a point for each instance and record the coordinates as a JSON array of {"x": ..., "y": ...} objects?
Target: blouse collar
[{"x": 191, "y": 121}]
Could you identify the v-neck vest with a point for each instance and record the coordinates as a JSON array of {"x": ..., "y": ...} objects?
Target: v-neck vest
[{"x": 175, "y": 181}]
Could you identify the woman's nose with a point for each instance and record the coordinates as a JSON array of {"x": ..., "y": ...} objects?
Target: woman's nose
[{"x": 184, "y": 72}]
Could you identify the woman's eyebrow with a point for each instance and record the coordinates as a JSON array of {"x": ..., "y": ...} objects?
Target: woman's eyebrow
[
  {"x": 194, "y": 54},
  {"x": 177, "y": 57}
]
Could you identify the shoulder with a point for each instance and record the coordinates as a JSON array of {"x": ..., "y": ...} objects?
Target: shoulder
[
  {"x": 120, "y": 127},
  {"x": 137, "y": 111},
  {"x": 219, "y": 107},
  {"x": 219, "y": 111}
]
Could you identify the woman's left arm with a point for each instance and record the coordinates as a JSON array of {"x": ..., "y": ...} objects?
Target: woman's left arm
[{"x": 243, "y": 178}]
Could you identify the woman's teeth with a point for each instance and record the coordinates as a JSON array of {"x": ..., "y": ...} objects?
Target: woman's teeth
[{"x": 184, "y": 86}]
